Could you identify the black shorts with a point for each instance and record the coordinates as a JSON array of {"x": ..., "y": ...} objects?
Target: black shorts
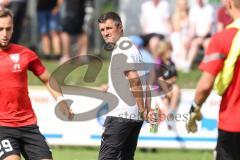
[
  {"x": 119, "y": 139},
  {"x": 26, "y": 140},
  {"x": 72, "y": 24},
  {"x": 228, "y": 145},
  {"x": 72, "y": 16}
]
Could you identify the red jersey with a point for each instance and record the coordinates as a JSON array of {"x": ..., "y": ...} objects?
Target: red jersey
[
  {"x": 229, "y": 114},
  {"x": 15, "y": 105}
]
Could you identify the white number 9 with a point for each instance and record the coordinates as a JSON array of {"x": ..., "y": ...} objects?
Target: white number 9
[{"x": 5, "y": 146}]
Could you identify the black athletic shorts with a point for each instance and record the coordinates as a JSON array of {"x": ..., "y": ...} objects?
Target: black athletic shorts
[
  {"x": 228, "y": 145},
  {"x": 26, "y": 140},
  {"x": 72, "y": 16},
  {"x": 119, "y": 139}
]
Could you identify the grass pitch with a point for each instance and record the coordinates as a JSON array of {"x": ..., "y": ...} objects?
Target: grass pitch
[{"x": 89, "y": 153}]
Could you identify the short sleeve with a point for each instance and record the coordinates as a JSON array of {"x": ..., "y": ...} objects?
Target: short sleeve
[
  {"x": 217, "y": 51},
  {"x": 31, "y": 55},
  {"x": 133, "y": 57},
  {"x": 36, "y": 67},
  {"x": 214, "y": 57}
]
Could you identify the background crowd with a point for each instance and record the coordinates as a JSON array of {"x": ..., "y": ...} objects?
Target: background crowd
[{"x": 172, "y": 39}]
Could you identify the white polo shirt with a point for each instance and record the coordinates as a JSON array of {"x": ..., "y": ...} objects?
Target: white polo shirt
[
  {"x": 133, "y": 55},
  {"x": 201, "y": 17},
  {"x": 154, "y": 19}
]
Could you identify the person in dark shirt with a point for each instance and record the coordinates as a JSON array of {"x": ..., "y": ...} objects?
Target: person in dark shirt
[
  {"x": 72, "y": 21},
  {"x": 166, "y": 72}
]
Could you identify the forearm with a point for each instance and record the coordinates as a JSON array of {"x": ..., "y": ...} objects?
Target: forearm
[
  {"x": 148, "y": 98},
  {"x": 54, "y": 88},
  {"x": 137, "y": 92},
  {"x": 201, "y": 95},
  {"x": 204, "y": 88},
  {"x": 172, "y": 80}
]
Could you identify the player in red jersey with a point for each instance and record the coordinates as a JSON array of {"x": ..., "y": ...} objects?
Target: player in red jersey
[
  {"x": 19, "y": 133},
  {"x": 222, "y": 60}
]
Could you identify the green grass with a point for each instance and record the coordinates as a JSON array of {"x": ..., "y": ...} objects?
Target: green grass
[
  {"x": 75, "y": 77},
  {"x": 90, "y": 153},
  {"x": 189, "y": 80},
  {"x": 185, "y": 80}
]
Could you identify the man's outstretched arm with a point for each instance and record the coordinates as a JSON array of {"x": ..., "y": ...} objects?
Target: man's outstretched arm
[{"x": 203, "y": 90}]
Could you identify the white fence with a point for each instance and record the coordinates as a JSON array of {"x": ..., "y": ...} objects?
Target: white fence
[{"x": 88, "y": 133}]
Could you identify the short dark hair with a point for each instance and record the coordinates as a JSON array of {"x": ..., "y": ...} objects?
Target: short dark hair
[
  {"x": 110, "y": 15},
  {"x": 4, "y": 12}
]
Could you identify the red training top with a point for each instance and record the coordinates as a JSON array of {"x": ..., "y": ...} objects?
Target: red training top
[
  {"x": 229, "y": 116},
  {"x": 15, "y": 106}
]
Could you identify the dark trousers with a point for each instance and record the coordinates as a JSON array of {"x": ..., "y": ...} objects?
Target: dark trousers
[
  {"x": 228, "y": 145},
  {"x": 119, "y": 139}
]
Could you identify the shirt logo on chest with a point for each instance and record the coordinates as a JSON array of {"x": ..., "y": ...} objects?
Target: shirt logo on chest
[{"x": 16, "y": 65}]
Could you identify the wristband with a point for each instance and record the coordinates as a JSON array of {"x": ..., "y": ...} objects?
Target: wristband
[
  {"x": 60, "y": 98},
  {"x": 195, "y": 107}
]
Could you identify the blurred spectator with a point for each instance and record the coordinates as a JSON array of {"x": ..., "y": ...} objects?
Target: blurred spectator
[
  {"x": 18, "y": 8},
  {"x": 223, "y": 17},
  {"x": 155, "y": 17},
  {"x": 151, "y": 40},
  {"x": 166, "y": 71},
  {"x": 72, "y": 15},
  {"x": 138, "y": 42},
  {"x": 49, "y": 27},
  {"x": 180, "y": 36},
  {"x": 146, "y": 56},
  {"x": 150, "y": 44},
  {"x": 201, "y": 23}
]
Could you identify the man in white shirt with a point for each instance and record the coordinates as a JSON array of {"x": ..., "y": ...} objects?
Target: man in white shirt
[
  {"x": 155, "y": 17},
  {"x": 201, "y": 24},
  {"x": 123, "y": 123}
]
